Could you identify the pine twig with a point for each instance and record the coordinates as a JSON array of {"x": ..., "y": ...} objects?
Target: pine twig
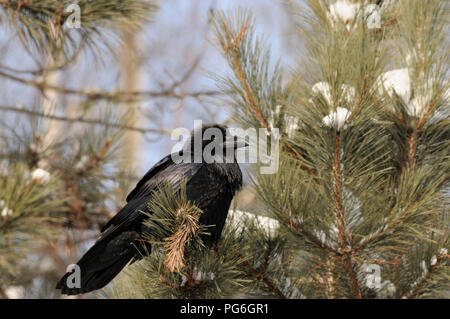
[{"x": 177, "y": 242}]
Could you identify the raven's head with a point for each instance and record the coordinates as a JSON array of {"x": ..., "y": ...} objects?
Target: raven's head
[{"x": 214, "y": 142}]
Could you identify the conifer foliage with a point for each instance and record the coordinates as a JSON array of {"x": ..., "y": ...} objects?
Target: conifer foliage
[
  {"x": 360, "y": 199},
  {"x": 60, "y": 174},
  {"x": 361, "y": 194}
]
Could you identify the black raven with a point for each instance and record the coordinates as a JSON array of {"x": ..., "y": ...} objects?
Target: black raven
[{"x": 210, "y": 184}]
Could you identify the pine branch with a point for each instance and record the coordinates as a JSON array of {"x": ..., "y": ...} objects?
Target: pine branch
[
  {"x": 413, "y": 137},
  {"x": 20, "y": 6},
  {"x": 341, "y": 222},
  {"x": 337, "y": 194},
  {"x": 330, "y": 281},
  {"x": 261, "y": 274},
  {"x": 117, "y": 96},
  {"x": 397, "y": 221},
  {"x": 42, "y": 22},
  {"x": 302, "y": 231},
  {"x": 236, "y": 65},
  {"x": 231, "y": 51},
  {"x": 50, "y": 68},
  {"x": 80, "y": 120},
  {"x": 428, "y": 276},
  {"x": 311, "y": 237}
]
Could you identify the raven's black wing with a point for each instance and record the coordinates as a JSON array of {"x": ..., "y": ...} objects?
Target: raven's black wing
[
  {"x": 163, "y": 163},
  {"x": 165, "y": 172}
]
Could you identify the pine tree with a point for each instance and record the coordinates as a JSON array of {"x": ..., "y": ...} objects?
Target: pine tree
[
  {"x": 359, "y": 205},
  {"x": 58, "y": 183}
]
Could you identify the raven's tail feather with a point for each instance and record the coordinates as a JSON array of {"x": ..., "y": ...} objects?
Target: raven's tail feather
[
  {"x": 101, "y": 263},
  {"x": 93, "y": 280}
]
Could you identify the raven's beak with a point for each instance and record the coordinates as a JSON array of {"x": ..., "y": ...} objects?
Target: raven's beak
[{"x": 235, "y": 142}]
